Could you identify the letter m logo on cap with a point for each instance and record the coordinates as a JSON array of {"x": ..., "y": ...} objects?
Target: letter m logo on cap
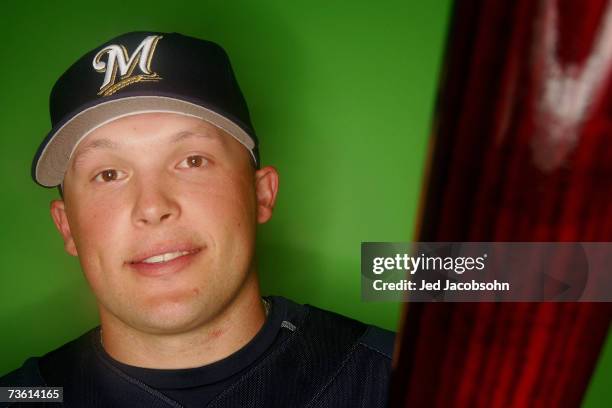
[{"x": 119, "y": 60}]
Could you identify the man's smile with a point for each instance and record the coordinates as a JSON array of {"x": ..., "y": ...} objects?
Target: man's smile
[
  {"x": 168, "y": 256},
  {"x": 164, "y": 259}
]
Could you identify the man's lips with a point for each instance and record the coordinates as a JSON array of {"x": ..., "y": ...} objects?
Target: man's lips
[
  {"x": 160, "y": 254},
  {"x": 168, "y": 256},
  {"x": 164, "y": 260}
]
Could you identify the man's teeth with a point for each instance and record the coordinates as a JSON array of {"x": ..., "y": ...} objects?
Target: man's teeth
[{"x": 165, "y": 257}]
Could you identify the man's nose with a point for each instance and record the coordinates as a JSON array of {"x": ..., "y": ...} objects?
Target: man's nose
[{"x": 154, "y": 204}]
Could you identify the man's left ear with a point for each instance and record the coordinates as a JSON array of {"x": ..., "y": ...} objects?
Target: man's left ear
[
  {"x": 58, "y": 213},
  {"x": 266, "y": 187}
]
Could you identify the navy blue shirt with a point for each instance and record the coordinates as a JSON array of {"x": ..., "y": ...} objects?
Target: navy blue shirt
[
  {"x": 196, "y": 387},
  {"x": 303, "y": 356}
]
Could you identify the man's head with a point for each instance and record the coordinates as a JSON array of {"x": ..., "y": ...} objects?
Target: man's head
[
  {"x": 162, "y": 187},
  {"x": 150, "y": 186}
]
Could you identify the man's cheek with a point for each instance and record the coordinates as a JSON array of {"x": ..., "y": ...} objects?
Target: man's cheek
[{"x": 100, "y": 239}]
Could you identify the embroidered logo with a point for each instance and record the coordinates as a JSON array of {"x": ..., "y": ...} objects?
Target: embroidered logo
[{"x": 119, "y": 60}]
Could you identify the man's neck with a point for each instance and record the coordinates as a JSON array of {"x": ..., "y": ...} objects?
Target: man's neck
[{"x": 218, "y": 338}]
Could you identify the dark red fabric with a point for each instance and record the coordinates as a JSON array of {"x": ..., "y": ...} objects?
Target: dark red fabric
[{"x": 497, "y": 173}]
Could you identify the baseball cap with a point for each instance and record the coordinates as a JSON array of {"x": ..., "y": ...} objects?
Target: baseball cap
[{"x": 141, "y": 72}]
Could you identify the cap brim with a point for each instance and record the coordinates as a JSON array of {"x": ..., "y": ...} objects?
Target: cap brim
[{"x": 52, "y": 161}]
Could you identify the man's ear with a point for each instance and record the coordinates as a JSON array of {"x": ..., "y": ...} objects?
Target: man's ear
[
  {"x": 58, "y": 213},
  {"x": 266, "y": 187}
]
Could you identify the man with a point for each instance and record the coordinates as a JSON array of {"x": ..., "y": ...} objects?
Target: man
[{"x": 158, "y": 167}]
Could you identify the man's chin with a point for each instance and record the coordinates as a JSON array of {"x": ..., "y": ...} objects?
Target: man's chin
[
  {"x": 160, "y": 317},
  {"x": 167, "y": 323}
]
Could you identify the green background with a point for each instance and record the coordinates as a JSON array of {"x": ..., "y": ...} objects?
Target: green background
[{"x": 341, "y": 95}]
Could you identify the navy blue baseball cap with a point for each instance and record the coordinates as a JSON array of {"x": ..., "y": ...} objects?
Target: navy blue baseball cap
[{"x": 141, "y": 72}]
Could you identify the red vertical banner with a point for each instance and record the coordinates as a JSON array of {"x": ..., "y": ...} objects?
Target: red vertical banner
[{"x": 521, "y": 151}]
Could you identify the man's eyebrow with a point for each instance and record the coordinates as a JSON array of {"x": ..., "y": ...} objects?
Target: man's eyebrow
[{"x": 93, "y": 145}]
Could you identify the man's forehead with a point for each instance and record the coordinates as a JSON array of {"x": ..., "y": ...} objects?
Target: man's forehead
[
  {"x": 142, "y": 128},
  {"x": 155, "y": 123},
  {"x": 171, "y": 128}
]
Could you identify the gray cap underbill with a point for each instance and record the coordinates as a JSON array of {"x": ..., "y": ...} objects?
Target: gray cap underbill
[{"x": 53, "y": 161}]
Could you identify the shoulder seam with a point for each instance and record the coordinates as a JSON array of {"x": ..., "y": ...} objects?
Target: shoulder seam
[
  {"x": 370, "y": 346},
  {"x": 331, "y": 379},
  {"x": 375, "y": 349}
]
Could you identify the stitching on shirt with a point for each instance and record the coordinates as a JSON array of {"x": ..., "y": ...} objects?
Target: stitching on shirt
[
  {"x": 333, "y": 377},
  {"x": 375, "y": 349},
  {"x": 136, "y": 382},
  {"x": 370, "y": 346},
  {"x": 280, "y": 349}
]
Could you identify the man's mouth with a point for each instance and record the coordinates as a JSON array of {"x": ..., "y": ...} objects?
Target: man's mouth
[
  {"x": 168, "y": 256},
  {"x": 163, "y": 260}
]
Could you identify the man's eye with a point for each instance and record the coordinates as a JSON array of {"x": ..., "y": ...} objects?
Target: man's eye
[
  {"x": 108, "y": 175},
  {"x": 193, "y": 161}
]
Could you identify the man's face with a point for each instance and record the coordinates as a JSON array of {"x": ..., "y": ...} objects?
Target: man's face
[{"x": 161, "y": 210}]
